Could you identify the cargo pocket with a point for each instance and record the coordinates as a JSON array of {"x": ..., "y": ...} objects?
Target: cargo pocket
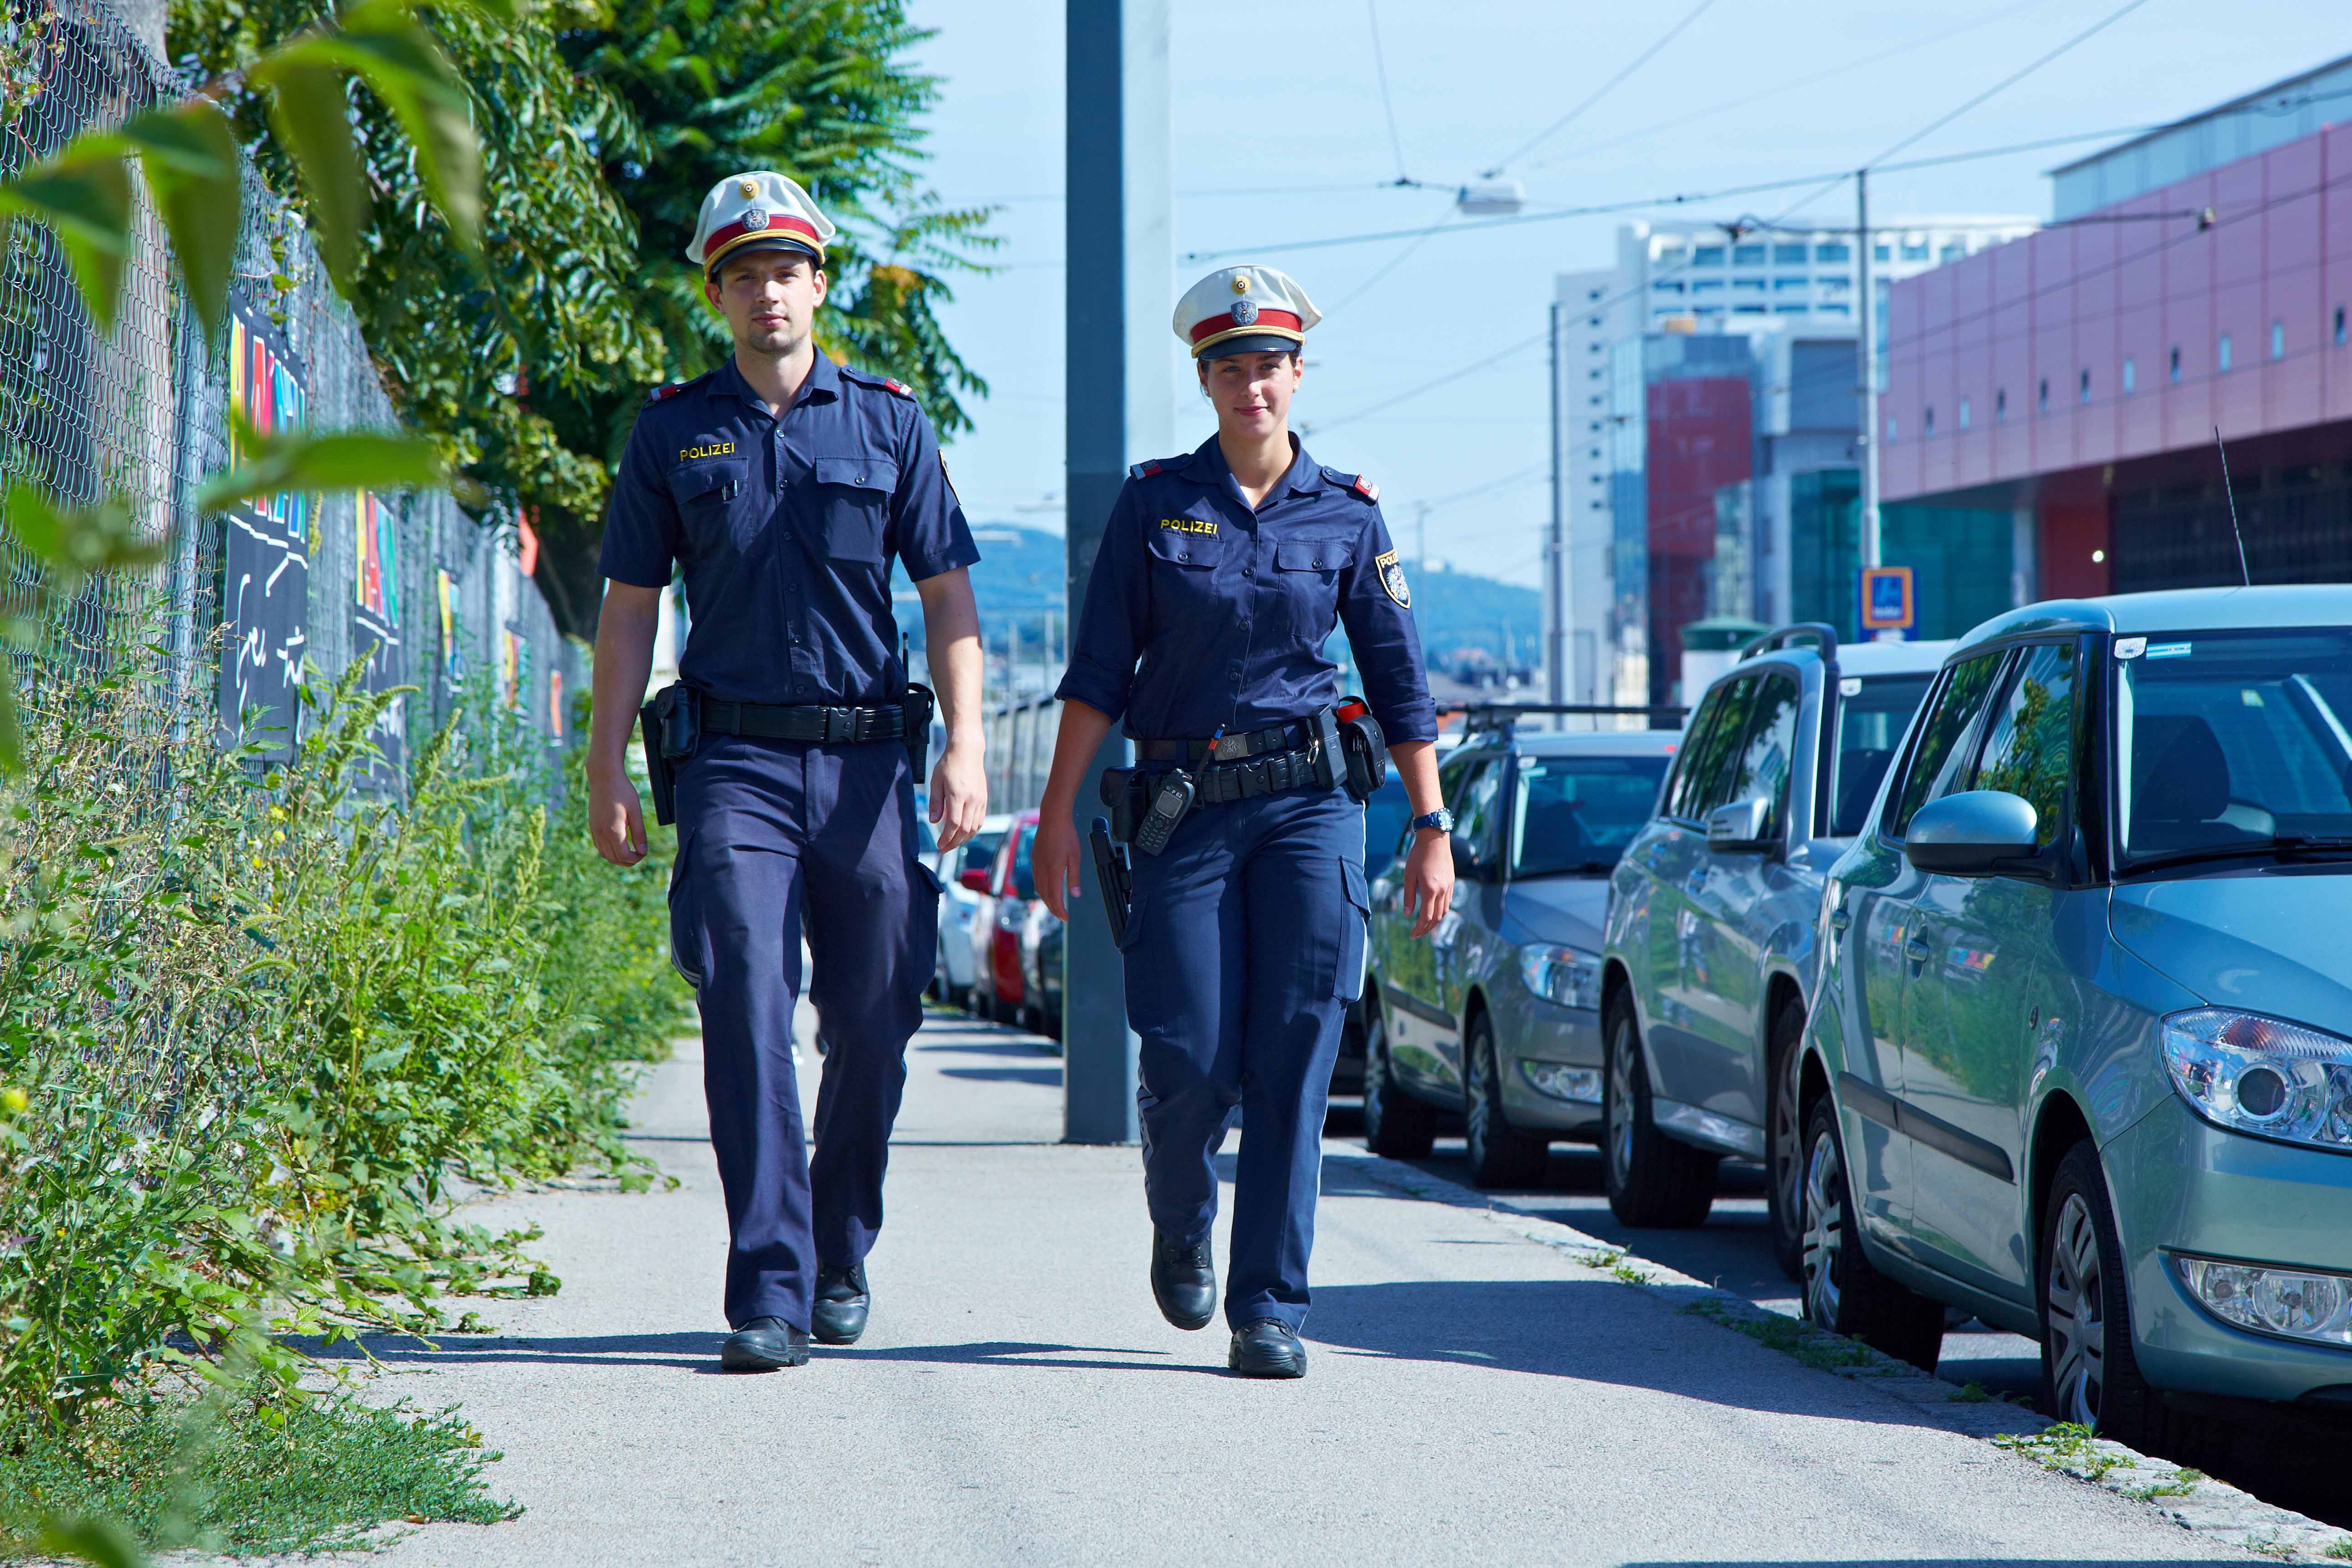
[
  {"x": 686, "y": 951},
  {"x": 1348, "y": 984},
  {"x": 923, "y": 895}
]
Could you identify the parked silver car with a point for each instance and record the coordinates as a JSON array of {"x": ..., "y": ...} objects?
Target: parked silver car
[
  {"x": 1496, "y": 1014},
  {"x": 2082, "y": 1059},
  {"x": 1709, "y": 959}
]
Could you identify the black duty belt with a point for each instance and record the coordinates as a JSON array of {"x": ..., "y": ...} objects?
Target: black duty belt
[
  {"x": 793, "y": 721},
  {"x": 1290, "y": 737},
  {"x": 1228, "y": 781}
]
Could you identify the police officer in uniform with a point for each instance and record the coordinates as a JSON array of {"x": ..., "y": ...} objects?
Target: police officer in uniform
[
  {"x": 1221, "y": 575},
  {"x": 782, "y": 487}
]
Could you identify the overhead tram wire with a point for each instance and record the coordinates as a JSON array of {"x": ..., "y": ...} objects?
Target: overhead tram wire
[
  {"x": 1387, "y": 104},
  {"x": 1604, "y": 91},
  {"x": 2117, "y": 15}
]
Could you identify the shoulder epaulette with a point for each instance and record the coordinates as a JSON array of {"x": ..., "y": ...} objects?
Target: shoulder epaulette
[
  {"x": 1355, "y": 482},
  {"x": 1143, "y": 470},
  {"x": 866, "y": 378},
  {"x": 665, "y": 393}
]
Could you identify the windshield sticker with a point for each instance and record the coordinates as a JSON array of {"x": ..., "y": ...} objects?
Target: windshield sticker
[
  {"x": 2130, "y": 647},
  {"x": 2168, "y": 650},
  {"x": 1850, "y": 686}
]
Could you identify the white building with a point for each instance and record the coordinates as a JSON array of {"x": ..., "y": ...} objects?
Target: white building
[{"x": 1705, "y": 278}]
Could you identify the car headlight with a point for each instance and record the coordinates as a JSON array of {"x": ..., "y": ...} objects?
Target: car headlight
[
  {"x": 2294, "y": 1303},
  {"x": 2258, "y": 1075},
  {"x": 1560, "y": 974}
]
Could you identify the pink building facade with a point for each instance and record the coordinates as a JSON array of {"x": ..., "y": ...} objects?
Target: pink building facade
[{"x": 2077, "y": 377}]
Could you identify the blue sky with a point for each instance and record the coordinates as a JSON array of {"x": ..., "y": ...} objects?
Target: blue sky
[{"x": 1280, "y": 136}]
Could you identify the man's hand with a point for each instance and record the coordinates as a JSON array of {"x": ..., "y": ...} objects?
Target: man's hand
[
  {"x": 615, "y": 821},
  {"x": 1054, "y": 862},
  {"x": 1429, "y": 879},
  {"x": 959, "y": 794}
]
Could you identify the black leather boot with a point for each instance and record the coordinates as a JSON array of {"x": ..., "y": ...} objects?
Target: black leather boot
[
  {"x": 1267, "y": 1349},
  {"x": 1183, "y": 1281},
  {"x": 837, "y": 1316},
  {"x": 765, "y": 1344}
]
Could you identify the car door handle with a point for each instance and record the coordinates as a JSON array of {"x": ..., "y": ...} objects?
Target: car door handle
[
  {"x": 1915, "y": 951},
  {"x": 1840, "y": 920}
]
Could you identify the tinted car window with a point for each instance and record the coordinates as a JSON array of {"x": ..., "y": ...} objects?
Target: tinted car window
[
  {"x": 1577, "y": 813},
  {"x": 1385, "y": 816},
  {"x": 2029, "y": 748},
  {"x": 1873, "y": 711},
  {"x": 1944, "y": 753},
  {"x": 1477, "y": 814},
  {"x": 2233, "y": 737},
  {"x": 1762, "y": 768},
  {"x": 979, "y": 853},
  {"x": 1025, "y": 886},
  {"x": 1703, "y": 780}
]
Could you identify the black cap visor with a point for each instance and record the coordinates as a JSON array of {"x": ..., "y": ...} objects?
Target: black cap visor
[
  {"x": 1249, "y": 343},
  {"x": 763, "y": 243}
]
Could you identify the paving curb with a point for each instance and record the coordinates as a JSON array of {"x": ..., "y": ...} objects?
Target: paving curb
[{"x": 2208, "y": 1508}]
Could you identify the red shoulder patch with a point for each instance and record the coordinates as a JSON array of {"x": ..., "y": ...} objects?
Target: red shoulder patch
[
  {"x": 1365, "y": 488},
  {"x": 901, "y": 387},
  {"x": 662, "y": 394}
]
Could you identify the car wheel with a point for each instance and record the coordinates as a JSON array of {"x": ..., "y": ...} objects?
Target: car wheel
[
  {"x": 2089, "y": 1372},
  {"x": 1500, "y": 1154},
  {"x": 1395, "y": 1124},
  {"x": 1651, "y": 1179},
  {"x": 1784, "y": 1166},
  {"x": 1844, "y": 1292}
]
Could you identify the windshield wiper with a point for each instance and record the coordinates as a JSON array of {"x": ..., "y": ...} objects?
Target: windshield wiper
[
  {"x": 2278, "y": 844},
  {"x": 1580, "y": 868}
]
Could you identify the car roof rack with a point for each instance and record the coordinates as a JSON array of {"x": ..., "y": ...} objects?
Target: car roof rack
[
  {"x": 1483, "y": 718},
  {"x": 1820, "y": 633}
]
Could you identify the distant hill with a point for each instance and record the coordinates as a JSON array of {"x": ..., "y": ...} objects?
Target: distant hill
[{"x": 1465, "y": 619}]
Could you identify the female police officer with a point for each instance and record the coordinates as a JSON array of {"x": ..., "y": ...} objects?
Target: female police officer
[{"x": 1221, "y": 575}]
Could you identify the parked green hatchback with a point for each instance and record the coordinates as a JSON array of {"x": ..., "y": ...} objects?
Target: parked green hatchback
[{"x": 2082, "y": 1057}]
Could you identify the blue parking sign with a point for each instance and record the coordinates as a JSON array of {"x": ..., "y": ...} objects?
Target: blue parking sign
[{"x": 1887, "y": 599}]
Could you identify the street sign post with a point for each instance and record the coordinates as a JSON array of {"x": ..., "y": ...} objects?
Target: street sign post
[{"x": 1887, "y": 601}]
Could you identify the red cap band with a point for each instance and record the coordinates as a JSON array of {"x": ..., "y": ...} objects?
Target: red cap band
[
  {"x": 781, "y": 224},
  {"x": 1268, "y": 321}
]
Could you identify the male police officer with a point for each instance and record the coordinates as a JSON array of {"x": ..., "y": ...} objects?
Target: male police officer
[{"x": 781, "y": 485}]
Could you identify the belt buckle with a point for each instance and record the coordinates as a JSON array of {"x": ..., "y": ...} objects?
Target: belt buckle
[
  {"x": 840, "y": 725},
  {"x": 1231, "y": 747}
]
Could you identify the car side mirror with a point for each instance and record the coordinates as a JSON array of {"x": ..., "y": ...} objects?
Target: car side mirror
[
  {"x": 1740, "y": 826},
  {"x": 976, "y": 880},
  {"x": 1467, "y": 866},
  {"x": 1971, "y": 834}
]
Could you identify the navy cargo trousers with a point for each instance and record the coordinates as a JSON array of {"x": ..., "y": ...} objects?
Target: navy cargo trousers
[
  {"x": 775, "y": 839},
  {"x": 1244, "y": 953}
]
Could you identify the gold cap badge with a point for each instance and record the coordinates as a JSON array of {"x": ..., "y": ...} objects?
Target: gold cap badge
[
  {"x": 747, "y": 189},
  {"x": 1241, "y": 282}
]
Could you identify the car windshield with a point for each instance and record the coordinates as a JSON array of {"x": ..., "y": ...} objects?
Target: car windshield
[
  {"x": 1025, "y": 886},
  {"x": 979, "y": 852},
  {"x": 2232, "y": 742},
  {"x": 1385, "y": 816},
  {"x": 1577, "y": 813},
  {"x": 1873, "y": 711}
]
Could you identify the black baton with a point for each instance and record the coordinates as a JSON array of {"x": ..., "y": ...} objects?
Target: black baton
[{"x": 1117, "y": 880}]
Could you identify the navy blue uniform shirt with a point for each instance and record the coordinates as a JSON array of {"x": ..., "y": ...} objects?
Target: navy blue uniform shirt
[
  {"x": 1201, "y": 612},
  {"x": 786, "y": 528}
]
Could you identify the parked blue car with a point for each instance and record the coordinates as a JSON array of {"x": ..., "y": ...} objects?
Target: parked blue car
[{"x": 2081, "y": 1056}]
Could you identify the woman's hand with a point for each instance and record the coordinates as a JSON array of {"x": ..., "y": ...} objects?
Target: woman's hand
[
  {"x": 1429, "y": 879},
  {"x": 1054, "y": 862}
]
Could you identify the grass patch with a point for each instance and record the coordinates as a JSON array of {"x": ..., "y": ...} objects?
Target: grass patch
[
  {"x": 2068, "y": 1445},
  {"x": 2341, "y": 1551},
  {"x": 2183, "y": 1483},
  {"x": 1607, "y": 1259},
  {"x": 1792, "y": 1337},
  {"x": 1970, "y": 1393},
  {"x": 245, "y": 1475}
]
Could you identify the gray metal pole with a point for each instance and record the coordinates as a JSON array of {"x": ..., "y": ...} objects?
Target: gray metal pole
[
  {"x": 1119, "y": 265},
  {"x": 1555, "y": 643},
  {"x": 1868, "y": 352}
]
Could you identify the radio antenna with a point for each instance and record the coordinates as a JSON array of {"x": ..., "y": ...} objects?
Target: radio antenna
[{"x": 2231, "y": 497}]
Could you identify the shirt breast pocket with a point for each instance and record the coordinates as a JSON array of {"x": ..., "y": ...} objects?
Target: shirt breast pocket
[
  {"x": 1184, "y": 576},
  {"x": 706, "y": 495},
  {"x": 1308, "y": 570},
  {"x": 854, "y": 505}
]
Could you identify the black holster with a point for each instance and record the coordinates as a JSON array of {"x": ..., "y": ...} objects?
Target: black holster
[
  {"x": 1366, "y": 750},
  {"x": 1120, "y": 789},
  {"x": 672, "y": 726},
  {"x": 1115, "y": 873},
  {"x": 919, "y": 704}
]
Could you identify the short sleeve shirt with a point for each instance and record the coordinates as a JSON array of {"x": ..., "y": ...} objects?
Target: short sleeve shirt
[
  {"x": 1201, "y": 613},
  {"x": 784, "y": 528}
]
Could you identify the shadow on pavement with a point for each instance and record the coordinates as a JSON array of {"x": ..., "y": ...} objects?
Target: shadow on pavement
[
  {"x": 1049, "y": 1077},
  {"x": 988, "y": 1045},
  {"x": 697, "y": 1351}
]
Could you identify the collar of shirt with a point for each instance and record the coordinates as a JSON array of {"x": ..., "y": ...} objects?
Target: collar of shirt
[
  {"x": 1208, "y": 466},
  {"x": 823, "y": 383}
]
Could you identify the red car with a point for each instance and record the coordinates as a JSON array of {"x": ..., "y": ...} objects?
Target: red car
[{"x": 997, "y": 988}]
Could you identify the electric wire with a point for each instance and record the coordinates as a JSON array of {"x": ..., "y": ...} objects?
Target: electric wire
[
  {"x": 1604, "y": 91},
  {"x": 2117, "y": 15},
  {"x": 1387, "y": 104}
]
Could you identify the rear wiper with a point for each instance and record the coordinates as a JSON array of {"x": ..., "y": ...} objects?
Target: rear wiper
[{"x": 2278, "y": 844}]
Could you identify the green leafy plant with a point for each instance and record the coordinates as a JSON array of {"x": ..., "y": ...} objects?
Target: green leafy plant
[{"x": 2066, "y": 1446}]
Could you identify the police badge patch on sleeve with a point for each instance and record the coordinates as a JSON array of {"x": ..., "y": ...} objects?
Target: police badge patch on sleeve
[{"x": 1392, "y": 579}]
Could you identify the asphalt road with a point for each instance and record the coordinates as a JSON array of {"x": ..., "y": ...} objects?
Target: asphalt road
[{"x": 1474, "y": 1397}]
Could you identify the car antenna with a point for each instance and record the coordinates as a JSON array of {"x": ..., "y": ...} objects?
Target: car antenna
[{"x": 2231, "y": 497}]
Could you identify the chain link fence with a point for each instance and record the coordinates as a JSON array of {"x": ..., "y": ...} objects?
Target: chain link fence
[{"x": 248, "y": 598}]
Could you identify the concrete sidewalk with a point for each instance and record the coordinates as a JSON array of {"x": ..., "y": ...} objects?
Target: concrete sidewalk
[{"x": 1472, "y": 1396}]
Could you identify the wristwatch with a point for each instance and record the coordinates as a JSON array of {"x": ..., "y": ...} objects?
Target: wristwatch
[{"x": 1441, "y": 819}]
